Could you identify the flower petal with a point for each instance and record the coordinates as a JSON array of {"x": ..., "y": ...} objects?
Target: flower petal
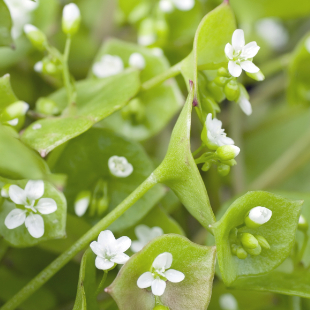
[
  {"x": 120, "y": 258},
  {"x": 136, "y": 246},
  {"x": 142, "y": 232},
  {"x": 103, "y": 264},
  {"x": 238, "y": 39},
  {"x": 122, "y": 244},
  {"x": 46, "y": 205},
  {"x": 174, "y": 276},
  {"x": 234, "y": 69},
  {"x": 106, "y": 238},
  {"x": 250, "y": 50},
  {"x": 97, "y": 248},
  {"x": 184, "y": 5},
  {"x": 158, "y": 287},
  {"x": 229, "y": 51},
  {"x": 248, "y": 66},
  {"x": 226, "y": 141},
  {"x": 35, "y": 225},
  {"x": 163, "y": 260},
  {"x": 34, "y": 189},
  {"x": 15, "y": 218},
  {"x": 245, "y": 105},
  {"x": 17, "y": 195},
  {"x": 145, "y": 280},
  {"x": 156, "y": 232}
]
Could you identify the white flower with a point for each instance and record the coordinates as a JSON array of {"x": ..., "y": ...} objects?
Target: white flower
[
  {"x": 107, "y": 66},
  {"x": 215, "y": 134},
  {"x": 110, "y": 251},
  {"x": 21, "y": 12},
  {"x": 30, "y": 214},
  {"x": 36, "y": 126},
  {"x": 145, "y": 234},
  {"x": 159, "y": 274},
  {"x": 260, "y": 215},
  {"x": 307, "y": 44},
  {"x": 157, "y": 51},
  {"x": 71, "y": 18},
  {"x": 167, "y": 6},
  {"x": 273, "y": 32},
  {"x": 136, "y": 60},
  {"x": 146, "y": 39},
  {"x": 245, "y": 105},
  {"x": 240, "y": 55},
  {"x": 228, "y": 302},
  {"x": 119, "y": 166}
]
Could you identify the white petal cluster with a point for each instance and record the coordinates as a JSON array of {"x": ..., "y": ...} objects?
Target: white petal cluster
[
  {"x": 120, "y": 167},
  {"x": 110, "y": 251},
  {"x": 216, "y": 135},
  {"x": 30, "y": 213},
  {"x": 168, "y": 6},
  {"x": 145, "y": 234},
  {"x": 240, "y": 56},
  {"x": 160, "y": 273},
  {"x": 136, "y": 60},
  {"x": 107, "y": 66},
  {"x": 228, "y": 302},
  {"x": 21, "y": 12},
  {"x": 260, "y": 215}
]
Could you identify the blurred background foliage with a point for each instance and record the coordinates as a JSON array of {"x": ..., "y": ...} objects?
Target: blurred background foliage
[{"x": 274, "y": 140}]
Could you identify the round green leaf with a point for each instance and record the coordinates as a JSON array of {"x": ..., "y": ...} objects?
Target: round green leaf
[{"x": 194, "y": 292}]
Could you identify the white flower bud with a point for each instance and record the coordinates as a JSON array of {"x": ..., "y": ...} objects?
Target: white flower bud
[
  {"x": 82, "y": 202},
  {"x": 136, "y": 60},
  {"x": 71, "y": 18},
  {"x": 227, "y": 152},
  {"x": 5, "y": 191},
  {"x": 38, "y": 66},
  {"x": 228, "y": 302},
  {"x": 107, "y": 66},
  {"x": 36, "y": 37},
  {"x": 302, "y": 223},
  {"x": 257, "y": 217},
  {"x": 166, "y": 6}
]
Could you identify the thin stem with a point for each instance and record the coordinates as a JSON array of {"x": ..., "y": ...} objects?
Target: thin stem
[
  {"x": 303, "y": 248},
  {"x": 295, "y": 302},
  {"x": 79, "y": 245},
  {"x": 198, "y": 150},
  {"x": 100, "y": 287}
]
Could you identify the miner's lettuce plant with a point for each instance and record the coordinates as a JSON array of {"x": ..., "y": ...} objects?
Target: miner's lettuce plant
[{"x": 114, "y": 164}]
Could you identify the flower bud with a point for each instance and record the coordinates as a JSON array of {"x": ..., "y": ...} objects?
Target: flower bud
[
  {"x": 228, "y": 302},
  {"x": 257, "y": 217},
  {"x": 262, "y": 242},
  {"x": 134, "y": 111},
  {"x": 248, "y": 241},
  {"x": 71, "y": 19},
  {"x": 241, "y": 253},
  {"x": 160, "y": 307},
  {"x": 38, "y": 67},
  {"x": 206, "y": 166},
  {"x": 81, "y": 203},
  {"x": 232, "y": 90},
  {"x": 234, "y": 248},
  {"x": 302, "y": 223},
  {"x": 36, "y": 37},
  {"x": 258, "y": 76},
  {"x": 223, "y": 72},
  {"x": 220, "y": 80},
  {"x": 147, "y": 33},
  {"x": 47, "y": 106},
  {"x": 254, "y": 252},
  {"x": 100, "y": 201},
  {"x": 227, "y": 152},
  {"x": 136, "y": 60},
  {"x": 223, "y": 169},
  {"x": 5, "y": 190}
]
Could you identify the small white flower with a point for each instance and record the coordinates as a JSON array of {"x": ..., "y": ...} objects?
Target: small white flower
[
  {"x": 110, "y": 251},
  {"x": 146, "y": 39},
  {"x": 160, "y": 273},
  {"x": 82, "y": 202},
  {"x": 307, "y": 44},
  {"x": 240, "y": 56},
  {"x": 38, "y": 67},
  {"x": 157, "y": 51},
  {"x": 228, "y": 302},
  {"x": 36, "y": 126},
  {"x": 245, "y": 105},
  {"x": 168, "y": 6},
  {"x": 145, "y": 234},
  {"x": 260, "y": 215},
  {"x": 30, "y": 214},
  {"x": 71, "y": 13},
  {"x": 107, "y": 66},
  {"x": 136, "y": 60},
  {"x": 216, "y": 135},
  {"x": 30, "y": 28},
  {"x": 119, "y": 166}
]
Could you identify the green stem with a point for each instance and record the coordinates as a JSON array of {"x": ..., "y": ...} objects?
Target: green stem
[
  {"x": 79, "y": 245},
  {"x": 100, "y": 287},
  {"x": 304, "y": 247},
  {"x": 198, "y": 150},
  {"x": 295, "y": 303},
  {"x": 285, "y": 165}
]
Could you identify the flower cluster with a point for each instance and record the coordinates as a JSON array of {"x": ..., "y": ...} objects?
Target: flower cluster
[{"x": 120, "y": 167}]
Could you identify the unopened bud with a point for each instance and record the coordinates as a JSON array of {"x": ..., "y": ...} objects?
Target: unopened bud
[
  {"x": 134, "y": 111},
  {"x": 82, "y": 202},
  {"x": 206, "y": 166},
  {"x": 302, "y": 223},
  {"x": 38, "y": 66},
  {"x": 71, "y": 19},
  {"x": 136, "y": 60},
  {"x": 257, "y": 217},
  {"x": 5, "y": 191},
  {"x": 254, "y": 252},
  {"x": 220, "y": 80},
  {"x": 223, "y": 72},
  {"x": 227, "y": 152},
  {"x": 232, "y": 90},
  {"x": 100, "y": 200},
  {"x": 262, "y": 242},
  {"x": 249, "y": 241},
  {"x": 36, "y": 37},
  {"x": 258, "y": 76},
  {"x": 234, "y": 248},
  {"x": 228, "y": 302},
  {"x": 160, "y": 307},
  {"x": 223, "y": 169},
  {"x": 241, "y": 253},
  {"x": 47, "y": 106}
]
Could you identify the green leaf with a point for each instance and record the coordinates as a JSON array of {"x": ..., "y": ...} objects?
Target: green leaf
[
  {"x": 179, "y": 171},
  {"x": 85, "y": 161},
  {"x": 17, "y": 160},
  {"x": 298, "y": 90},
  {"x": 279, "y": 231},
  {"x": 96, "y": 99},
  {"x": 194, "y": 292},
  {"x": 5, "y": 25},
  {"x": 86, "y": 298},
  {"x": 54, "y": 223},
  {"x": 7, "y": 95},
  {"x": 157, "y": 105}
]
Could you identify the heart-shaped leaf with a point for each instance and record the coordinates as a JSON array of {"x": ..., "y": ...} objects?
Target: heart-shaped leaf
[{"x": 194, "y": 292}]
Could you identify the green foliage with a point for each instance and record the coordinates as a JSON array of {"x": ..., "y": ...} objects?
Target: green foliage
[
  {"x": 5, "y": 25},
  {"x": 194, "y": 292}
]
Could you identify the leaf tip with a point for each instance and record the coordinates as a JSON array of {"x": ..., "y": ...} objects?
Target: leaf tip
[
  {"x": 43, "y": 153},
  {"x": 226, "y": 2}
]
